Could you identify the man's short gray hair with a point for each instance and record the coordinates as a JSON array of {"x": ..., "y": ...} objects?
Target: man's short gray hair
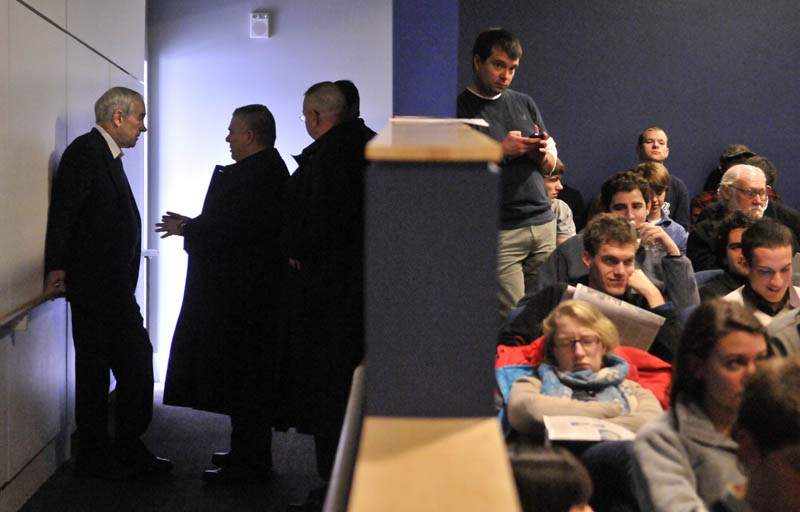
[
  {"x": 733, "y": 174},
  {"x": 259, "y": 119},
  {"x": 116, "y": 98}
]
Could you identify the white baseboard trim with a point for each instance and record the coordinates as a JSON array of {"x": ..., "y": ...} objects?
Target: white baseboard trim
[{"x": 16, "y": 492}]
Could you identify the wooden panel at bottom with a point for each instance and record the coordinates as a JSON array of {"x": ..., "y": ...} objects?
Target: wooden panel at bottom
[{"x": 434, "y": 464}]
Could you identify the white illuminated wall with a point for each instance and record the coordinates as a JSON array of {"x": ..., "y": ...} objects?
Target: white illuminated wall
[{"x": 202, "y": 65}]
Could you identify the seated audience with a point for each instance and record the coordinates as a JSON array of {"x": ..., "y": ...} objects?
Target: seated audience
[
  {"x": 565, "y": 225},
  {"x": 767, "y": 430},
  {"x": 611, "y": 244},
  {"x": 652, "y": 146},
  {"x": 731, "y": 155},
  {"x": 744, "y": 188},
  {"x": 658, "y": 178},
  {"x": 728, "y": 245},
  {"x": 550, "y": 480},
  {"x": 685, "y": 458},
  {"x": 628, "y": 196},
  {"x": 767, "y": 250}
]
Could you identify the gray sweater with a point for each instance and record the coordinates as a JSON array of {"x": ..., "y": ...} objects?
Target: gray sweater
[
  {"x": 681, "y": 462},
  {"x": 524, "y": 198}
]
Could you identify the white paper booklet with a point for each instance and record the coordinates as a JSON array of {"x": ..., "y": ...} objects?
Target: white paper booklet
[
  {"x": 582, "y": 428},
  {"x": 637, "y": 327}
]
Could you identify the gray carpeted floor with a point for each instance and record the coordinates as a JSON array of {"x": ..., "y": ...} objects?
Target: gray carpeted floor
[{"x": 188, "y": 438}]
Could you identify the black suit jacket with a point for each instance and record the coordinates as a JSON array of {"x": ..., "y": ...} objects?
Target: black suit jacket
[
  {"x": 324, "y": 229},
  {"x": 224, "y": 353},
  {"x": 93, "y": 227}
]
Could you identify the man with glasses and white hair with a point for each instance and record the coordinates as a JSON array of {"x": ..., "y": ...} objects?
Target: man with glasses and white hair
[{"x": 742, "y": 188}]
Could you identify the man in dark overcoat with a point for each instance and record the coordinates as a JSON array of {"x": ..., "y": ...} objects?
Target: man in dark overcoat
[
  {"x": 93, "y": 251},
  {"x": 322, "y": 240},
  {"x": 224, "y": 354}
]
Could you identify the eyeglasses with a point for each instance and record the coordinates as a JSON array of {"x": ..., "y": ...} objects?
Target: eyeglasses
[
  {"x": 585, "y": 341},
  {"x": 751, "y": 193}
]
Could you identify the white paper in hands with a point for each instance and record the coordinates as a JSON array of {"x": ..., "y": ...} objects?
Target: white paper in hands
[
  {"x": 582, "y": 428},
  {"x": 637, "y": 327}
]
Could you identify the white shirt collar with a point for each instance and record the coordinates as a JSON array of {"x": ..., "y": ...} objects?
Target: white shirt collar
[{"x": 112, "y": 145}]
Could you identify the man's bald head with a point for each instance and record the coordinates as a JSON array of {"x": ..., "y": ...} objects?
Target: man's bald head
[{"x": 323, "y": 107}]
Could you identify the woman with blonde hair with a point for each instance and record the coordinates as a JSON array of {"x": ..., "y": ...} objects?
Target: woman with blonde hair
[{"x": 581, "y": 376}]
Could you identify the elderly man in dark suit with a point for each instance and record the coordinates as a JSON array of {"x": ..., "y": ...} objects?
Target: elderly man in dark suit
[
  {"x": 92, "y": 253},
  {"x": 224, "y": 354}
]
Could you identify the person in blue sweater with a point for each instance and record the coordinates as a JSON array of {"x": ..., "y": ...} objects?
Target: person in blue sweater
[{"x": 527, "y": 223}]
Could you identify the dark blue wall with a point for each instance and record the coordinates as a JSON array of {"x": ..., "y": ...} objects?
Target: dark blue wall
[
  {"x": 425, "y": 57},
  {"x": 711, "y": 73}
]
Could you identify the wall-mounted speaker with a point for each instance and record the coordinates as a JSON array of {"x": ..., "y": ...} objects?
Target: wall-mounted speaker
[{"x": 259, "y": 25}]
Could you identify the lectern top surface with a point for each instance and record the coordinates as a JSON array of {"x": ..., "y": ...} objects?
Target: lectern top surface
[{"x": 432, "y": 140}]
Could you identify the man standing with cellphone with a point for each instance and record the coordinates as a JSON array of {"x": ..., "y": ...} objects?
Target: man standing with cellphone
[{"x": 527, "y": 223}]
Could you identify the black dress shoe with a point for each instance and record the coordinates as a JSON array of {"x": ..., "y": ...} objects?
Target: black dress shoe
[
  {"x": 136, "y": 454},
  {"x": 156, "y": 465},
  {"x": 236, "y": 474}
]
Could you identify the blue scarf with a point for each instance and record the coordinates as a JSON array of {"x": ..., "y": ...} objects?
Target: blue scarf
[{"x": 607, "y": 385}]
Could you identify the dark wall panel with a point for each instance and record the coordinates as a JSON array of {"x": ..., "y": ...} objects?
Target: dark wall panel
[{"x": 425, "y": 67}]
